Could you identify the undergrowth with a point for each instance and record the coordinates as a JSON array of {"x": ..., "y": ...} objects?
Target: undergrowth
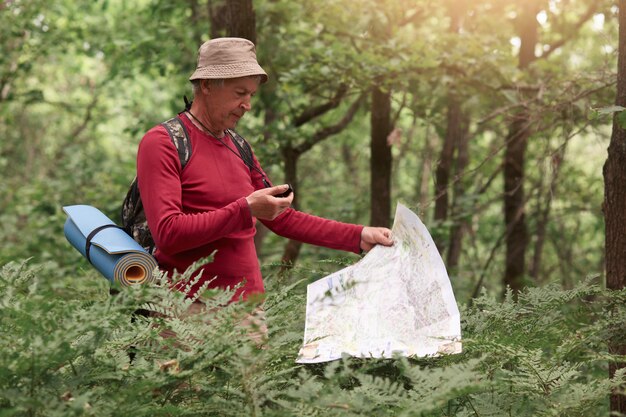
[{"x": 68, "y": 348}]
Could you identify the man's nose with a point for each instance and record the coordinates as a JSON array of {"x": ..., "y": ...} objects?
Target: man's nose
[{"x": 246, "y": 105}]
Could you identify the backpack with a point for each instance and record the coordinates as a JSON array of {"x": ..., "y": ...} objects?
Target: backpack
[{"x": 133, "y": 216}]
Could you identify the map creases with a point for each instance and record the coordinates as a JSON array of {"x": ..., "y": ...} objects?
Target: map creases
[{"x": 396, "y": 300}]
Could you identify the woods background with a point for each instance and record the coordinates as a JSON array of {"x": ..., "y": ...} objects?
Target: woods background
[{"x": 491, "y": 119}]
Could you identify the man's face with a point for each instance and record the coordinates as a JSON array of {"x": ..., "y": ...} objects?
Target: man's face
[{"x": 228, "y": 103}]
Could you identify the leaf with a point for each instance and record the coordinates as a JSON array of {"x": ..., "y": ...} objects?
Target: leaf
[
  {"x": 510, "y": 96},
  {"x": 609, "y": 109},
  {"x": 621, "y": 119},
  {"x": 34, "y": 96},
  {"x": 596, "y": 113}
]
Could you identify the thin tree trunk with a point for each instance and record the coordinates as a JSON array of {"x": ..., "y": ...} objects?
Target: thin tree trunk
[
  {"x": 380, "y": 161},
  {"x": 514, "y": 161},
  {"x": 565, "y": 254},
  {"x": 444, "y": 166},
  {"x": 290, "y": 254},
  {"x": 544, "y": 214},
  {"x": 514, "y": 205},
  {"x": 460, "y": 224},
  {"x": 615, "y": 207},
  {"x": 292, "y": 248},
  {"x": 269, "y": 117},
  {"x": 426, "y": 169},
  {"x": 540, "y": 238},
  {"x": 349, "y": 160},
  {"x": 453, "y": 132},
  {"x": 259, "y": 237}
]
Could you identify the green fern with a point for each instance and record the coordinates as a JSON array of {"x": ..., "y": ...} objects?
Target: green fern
[{"x": 542, "y": 354}]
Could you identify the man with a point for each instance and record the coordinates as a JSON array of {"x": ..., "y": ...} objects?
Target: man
[{"x": 212, "y": 204}]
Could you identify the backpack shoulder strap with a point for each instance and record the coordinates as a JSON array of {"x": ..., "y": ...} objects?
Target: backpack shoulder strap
[
  {"x": 180, "y": 137},
  {"x": 243, "y": 147},
  {"x": 133, "y": 216}
]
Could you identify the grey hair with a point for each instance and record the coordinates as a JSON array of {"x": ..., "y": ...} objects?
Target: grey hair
[{"x": 195, "y": 84}]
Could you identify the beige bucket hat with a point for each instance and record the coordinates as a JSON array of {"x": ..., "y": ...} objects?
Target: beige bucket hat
[{"x": 224, "y": 58}]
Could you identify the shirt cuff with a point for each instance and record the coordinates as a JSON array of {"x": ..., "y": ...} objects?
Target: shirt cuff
[
  {"x": 245, "y": 212},
  {"x": 358, "y": 250}
]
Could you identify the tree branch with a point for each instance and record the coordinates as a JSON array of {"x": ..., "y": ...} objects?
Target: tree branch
[
  {"x": 313, "y": 112},
  {"x": 331, "y": 130},
  {"x": 559, "y": 43},
  {"x": 88, "y": 114},
  {"x": 351, "y": 38},
  {"x": 413, "y": 18},
  {"x": 395, "y": 118},
  {"x": 75, "y": 133}
]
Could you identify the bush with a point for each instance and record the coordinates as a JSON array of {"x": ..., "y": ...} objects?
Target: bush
[{"x": 68, "y": 348}]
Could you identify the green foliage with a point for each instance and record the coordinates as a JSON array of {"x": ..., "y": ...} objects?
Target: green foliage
[
  {"x": 80, "y": 82},
  {"x": 618, "y": 111},
  {"x": 67, "y": 348}
]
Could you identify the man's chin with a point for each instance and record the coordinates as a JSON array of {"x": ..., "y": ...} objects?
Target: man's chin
[{"x": 232, "y": 122}]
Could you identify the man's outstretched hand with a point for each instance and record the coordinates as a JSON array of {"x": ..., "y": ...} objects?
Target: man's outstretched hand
[{"x": 372, "y": 236}]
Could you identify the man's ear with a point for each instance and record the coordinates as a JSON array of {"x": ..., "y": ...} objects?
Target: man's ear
[{"x": 205, "y": 86}]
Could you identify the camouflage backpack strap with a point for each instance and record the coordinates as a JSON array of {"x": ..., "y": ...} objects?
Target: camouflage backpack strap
[
  {"x": 180, "y": 137},
  {"x": 243, "y": 147},
  {"x": 133, "y": 216}
]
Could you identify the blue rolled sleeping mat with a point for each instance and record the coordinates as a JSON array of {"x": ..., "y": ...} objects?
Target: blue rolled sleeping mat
[{"x": 109, "y": 249}]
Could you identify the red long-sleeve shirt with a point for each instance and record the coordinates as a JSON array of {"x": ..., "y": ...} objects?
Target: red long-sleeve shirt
[{"x": 202, "y": 208}]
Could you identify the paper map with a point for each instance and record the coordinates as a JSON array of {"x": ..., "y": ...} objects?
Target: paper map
[{"x": 396, "y": 300}]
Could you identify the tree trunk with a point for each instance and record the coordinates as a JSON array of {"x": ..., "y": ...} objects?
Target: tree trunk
[
  {"x": 540, "y": 238},
  {"x": 615, "y": 206},
  {"x": 350, "y": 161},
  {"x": 237, "y": 19},
  {"x": 196, "y": 19},
  {"x": 259, "y": 237},
  {"x": 423, "y": 185},
  {"x": 514, "y": 160},
  {"x": 514, "y": 205},
  {"x": 460, "y": 222},
  {"x": 380, "y": 160},
  {"x": 453, "y": 132},
  {"x": 292, "y": 248},
  {"x": 232, "y": 18},
  {"x": 543, "y": 215},
  {"x": 219, "y": 16},
  {"x": 444, "y": 166},
  {"x": 241, "y": 19},
  {"x": 266, "y": 98}
]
